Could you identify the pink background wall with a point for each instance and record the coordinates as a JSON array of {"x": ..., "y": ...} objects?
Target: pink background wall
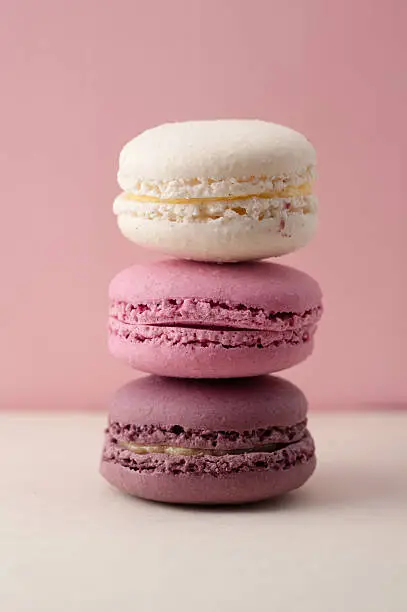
[{"x": 79, "y": 78}]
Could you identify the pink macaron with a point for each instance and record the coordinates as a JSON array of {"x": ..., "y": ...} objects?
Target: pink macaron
[
  {"x": 208, "y": 441},
  {"x": 196, "y": 320}
]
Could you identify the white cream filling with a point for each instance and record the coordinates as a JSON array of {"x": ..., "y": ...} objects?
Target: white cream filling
[{"x": 254, "y": 208}]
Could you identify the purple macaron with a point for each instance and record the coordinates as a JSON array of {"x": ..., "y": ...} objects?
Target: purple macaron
[
  {"x": 208, "y": 441},
  {"x": 194, "y": 320}
]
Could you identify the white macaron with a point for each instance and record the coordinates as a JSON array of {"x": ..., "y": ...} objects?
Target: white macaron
[{"x": 225, "y": 190}]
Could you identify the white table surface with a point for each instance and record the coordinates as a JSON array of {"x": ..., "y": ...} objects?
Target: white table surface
[{"x": 70, "y": 542}]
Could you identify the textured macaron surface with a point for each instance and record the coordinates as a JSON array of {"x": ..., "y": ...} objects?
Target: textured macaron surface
[
  {"x": 214, "y": 441},
  {"x": 279, "y": 457}
]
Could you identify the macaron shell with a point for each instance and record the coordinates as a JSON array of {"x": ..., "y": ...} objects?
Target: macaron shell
[
  {"x": 235, "y": 148},
  {"x": 192, "y": 489},
  {"x": 189, "y": 361},
  {"x": 226, "y": 240},
  {"x": 273, "y": 287},
  {"x": 237, "y": 404}
]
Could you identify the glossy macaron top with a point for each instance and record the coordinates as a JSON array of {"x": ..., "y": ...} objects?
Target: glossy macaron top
[
  {"x": 238, "y": 405},
  {"x": 264, "y": 285}
]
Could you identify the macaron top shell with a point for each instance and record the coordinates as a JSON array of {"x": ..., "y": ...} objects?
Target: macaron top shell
[
  {"x": 220, "y": 149},
  {"x": 238, "y": 405},
  {"x": 269, "y": 286}
]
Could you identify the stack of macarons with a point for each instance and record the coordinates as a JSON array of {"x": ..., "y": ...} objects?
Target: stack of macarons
[{"x": 210, "y": 424}]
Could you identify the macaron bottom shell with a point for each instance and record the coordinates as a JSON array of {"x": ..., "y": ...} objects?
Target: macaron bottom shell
[
  {"x": 221, "y": 240},
  {"x": 210, "y": 361},
  {"x": 243, "y": 487}
]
